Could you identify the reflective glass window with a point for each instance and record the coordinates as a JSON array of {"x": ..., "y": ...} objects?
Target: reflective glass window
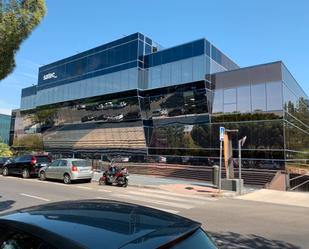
[
  {"x": 186, "y": 70},
  {"x": 176, "y": 72},
  {"x": 243, "y": 99},
  {"x": 218, "y": 101},
  {"x": 166, "y": 74},
  {"x": 198, "y": 68},
  {"x": 258, "y": 95},
  {"x": 155, "y": 76},
  {"x": 230, "y": 96},
  {"x": 274, "y": 96},
  {"x": 228, "y": 108}
]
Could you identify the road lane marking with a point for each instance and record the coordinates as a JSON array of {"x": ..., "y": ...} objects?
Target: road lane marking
[
  {"x": 146, "y": 205},
  {"x": 153, "y": 201},
  {"x": 104, "y": 190},
  {"x": 82, "y": 187},
  {"x": 187, "y": 196},
  {"x": 35, "y": 197},
  {"x": 171, "y": 198}
]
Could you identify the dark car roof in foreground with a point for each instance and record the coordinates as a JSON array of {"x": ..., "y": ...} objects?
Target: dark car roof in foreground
[{"x": 94, "y": 223}]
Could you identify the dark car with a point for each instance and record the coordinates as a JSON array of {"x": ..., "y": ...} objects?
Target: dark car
[
  {"x": 87, "y": 118},
  {"x": 2, "y": 162},
  {"x": 99, "y": 224},
  {"x": 26, "y": 165},
  {"x": 102, "y": 118}
]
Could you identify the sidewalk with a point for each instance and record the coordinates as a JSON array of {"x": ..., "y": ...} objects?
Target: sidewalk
[
  {"x": 172, "y": 184},
  {"x": 300, "y": 199}
]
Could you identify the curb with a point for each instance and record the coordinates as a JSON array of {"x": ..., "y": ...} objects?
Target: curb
[
  {"x": 144, "y": 186},
  {"x": 224, "y": 195}
]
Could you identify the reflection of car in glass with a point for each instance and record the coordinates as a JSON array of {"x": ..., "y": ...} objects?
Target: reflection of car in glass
[
  {"x": 108, "y": 105},
  {"x": 122, "y": 104},
  {"x": 159, "y": 112},
  {"x": 81, "y": 107},
  {"x": 176, "y": 112},
  {"x": 32, "y": 129},
  {"x": 100, "y": 107},
  {"x": 101, "y": 118},
  {"x": 99, "y": 224},
  {"x": 91, "y": 107},
  {"x": 67, "y": 170},
  {"x": 131, "y": 115},
  {"x": 87, "y": 118},
  {"x": 115, "y": 118}
]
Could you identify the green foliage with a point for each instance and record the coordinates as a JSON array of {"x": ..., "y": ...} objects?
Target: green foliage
[
  {"x": 17, "y": 19},
  {"x": 5, "y": 150},
  {"x": 44, "y": 117},
  {"x": 29, "y": 143}
]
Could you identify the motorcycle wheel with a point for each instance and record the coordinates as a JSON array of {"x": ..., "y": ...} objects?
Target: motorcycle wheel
[
  {"x": 101, "y": 182},
  {"x": 125, "y": 183},
  {"x": 107, "y": 182}
]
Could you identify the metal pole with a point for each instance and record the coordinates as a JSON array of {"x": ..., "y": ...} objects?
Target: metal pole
[
  {"x": 239, "y": 165},
  {"x": 220, "y": 166}
]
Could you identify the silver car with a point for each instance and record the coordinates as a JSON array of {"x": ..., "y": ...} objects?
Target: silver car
[{"x": 67, "y": 170}]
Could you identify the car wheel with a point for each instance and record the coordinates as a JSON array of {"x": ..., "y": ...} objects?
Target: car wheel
[
  {"x": 25, "y": 173},
  {"x": 5, "y": 171},
  {"x": 88, "y": 180},
  {"x": 42, "y": 176},
  {"x": 67, "y": 179}
]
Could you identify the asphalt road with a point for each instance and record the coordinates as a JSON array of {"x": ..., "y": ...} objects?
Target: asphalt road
[{"x": 233, "y": 223}]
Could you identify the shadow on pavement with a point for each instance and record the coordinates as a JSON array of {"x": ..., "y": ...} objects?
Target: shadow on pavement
[
  {"x": 4, "y": 205},
  {"x": 231, "y": 240}
]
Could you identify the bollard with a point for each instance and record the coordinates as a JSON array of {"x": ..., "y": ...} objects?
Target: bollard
[{"x": 215, "y": 175}]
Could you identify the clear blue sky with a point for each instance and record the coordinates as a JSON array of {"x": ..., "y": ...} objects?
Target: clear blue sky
[{"x": 250, "y": 32}]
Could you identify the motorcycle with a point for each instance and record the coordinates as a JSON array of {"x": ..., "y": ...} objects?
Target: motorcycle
[{"x": 116, "y": 176}]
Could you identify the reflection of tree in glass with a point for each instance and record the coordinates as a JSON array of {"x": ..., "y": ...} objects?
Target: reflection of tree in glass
[
  {"x": 297, "y": 129},
  {"x": 29, "y": 142},
  {"x": 172, "y": 137},
  {"x": 45, "y": 117}
]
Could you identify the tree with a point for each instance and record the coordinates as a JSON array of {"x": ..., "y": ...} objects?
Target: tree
[
  {"x": 17, "y": 19},
  {"x": 5, "y": 150}
]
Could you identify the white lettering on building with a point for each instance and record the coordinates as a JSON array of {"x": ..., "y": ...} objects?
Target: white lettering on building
[{"x": 49, "y": 76}]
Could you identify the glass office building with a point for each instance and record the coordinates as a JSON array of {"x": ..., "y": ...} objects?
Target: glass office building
[
  {"x": 131, "y": 97},
  {"x": 5, "y": 121}
]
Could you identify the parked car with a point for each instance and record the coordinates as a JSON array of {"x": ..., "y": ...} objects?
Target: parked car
[
  {"x": 102, "y": 118},
  {"x": 116, "y": 118},
  {"x": 81, "y": 107},
  {"x": 122, "y": 104},
  {"x": 99, "y": 224},
  {"x": 2, "y": 162},
  {"x": 67, "y": 170},
  {"x": 26, "y": 165},
  {"x": 87, "y": 118}
]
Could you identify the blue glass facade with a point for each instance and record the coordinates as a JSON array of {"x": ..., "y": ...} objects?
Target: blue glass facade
[
  {"x": 132, "y": 62},
  {"x": 131, "y": 97},
  {"x": 5, "y": 121}
]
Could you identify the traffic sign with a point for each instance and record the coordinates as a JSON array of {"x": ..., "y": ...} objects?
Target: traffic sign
[{"x": 222, "y": 129}]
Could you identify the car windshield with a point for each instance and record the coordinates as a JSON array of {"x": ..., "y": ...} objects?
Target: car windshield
[
  {"x": 198, "y": 239},
  {"x": 81, "y": 163},
  {"x": 43, "y": 159}
]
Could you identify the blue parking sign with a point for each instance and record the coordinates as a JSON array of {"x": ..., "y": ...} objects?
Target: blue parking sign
[{"x": 222, "y": 129}]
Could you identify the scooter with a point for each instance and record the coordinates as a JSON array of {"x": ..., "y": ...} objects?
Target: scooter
[{"x": 119, "y": 177}]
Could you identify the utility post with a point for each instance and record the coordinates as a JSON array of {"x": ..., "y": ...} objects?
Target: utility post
[
  {"x": 240, "y": 144},
  {"x": 221, "y": 132}
]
